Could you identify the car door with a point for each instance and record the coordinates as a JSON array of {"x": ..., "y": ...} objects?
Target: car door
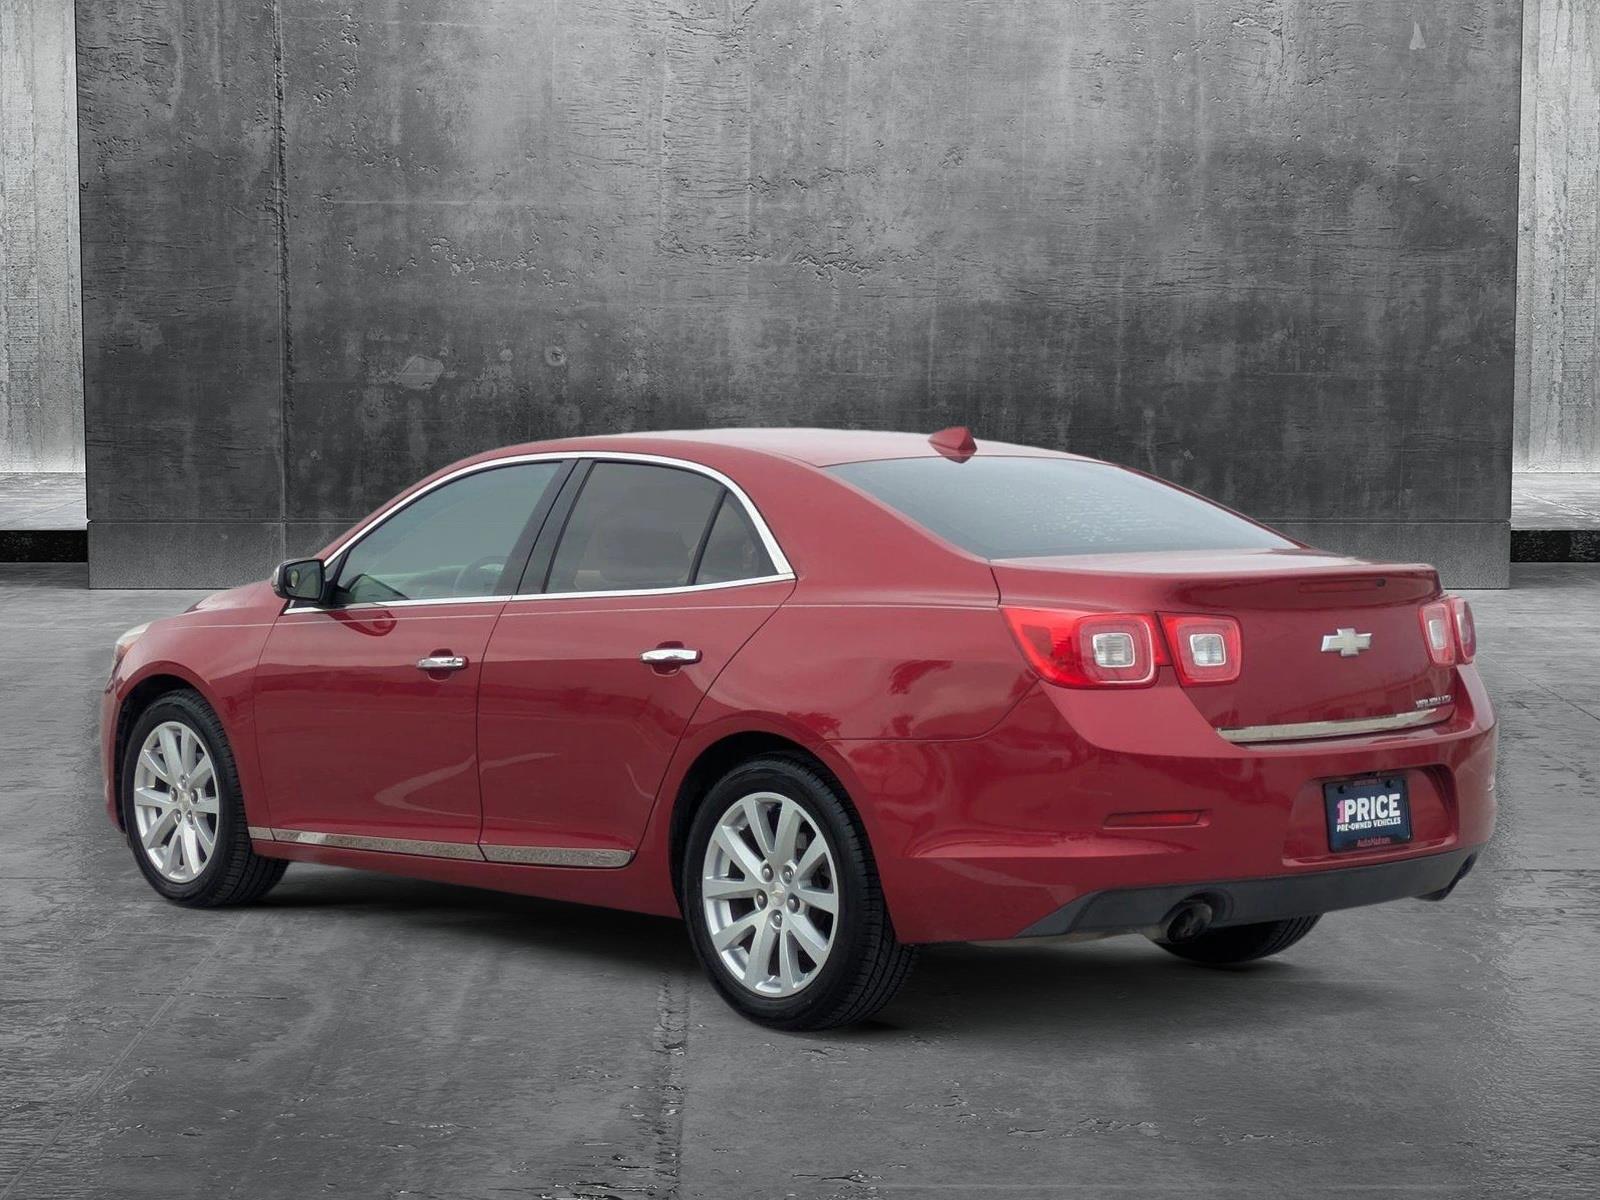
[
  {"x": 648, "y": 579},
  {"x": 366, "y": 706}
]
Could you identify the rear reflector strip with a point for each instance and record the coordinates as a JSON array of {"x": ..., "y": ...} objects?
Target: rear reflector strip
[
  {"x": 1165, "y": 818},
  {"x": 1307, "y": 730}
]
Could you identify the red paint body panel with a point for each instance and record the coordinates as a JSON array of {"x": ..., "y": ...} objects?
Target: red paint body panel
[
  {"x": 355, "y": 739},
  {"x": 984, "y": 793},
  {"x": 574, "y": 731}
]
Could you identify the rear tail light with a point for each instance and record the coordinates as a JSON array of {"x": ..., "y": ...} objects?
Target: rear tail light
[
  {"x": 1081, "y": 649},
  {"x": 1436, "y": 632},
  {"x": 1205, "y": 649},
  {"x": 1466, "y": 630}
]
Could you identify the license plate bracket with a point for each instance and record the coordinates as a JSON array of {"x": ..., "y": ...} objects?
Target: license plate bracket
[{"x": 1367, "y": 813}]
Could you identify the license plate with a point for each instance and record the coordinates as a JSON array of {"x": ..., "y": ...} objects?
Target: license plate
[{"x": 1363, "y": 813}]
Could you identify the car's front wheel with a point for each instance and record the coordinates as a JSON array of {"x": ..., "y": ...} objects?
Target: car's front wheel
[
  {"x": 182, "y": 809},
  {"x": 783, "y": 901}
]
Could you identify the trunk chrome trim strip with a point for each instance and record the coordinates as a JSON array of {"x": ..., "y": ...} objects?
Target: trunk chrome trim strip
[
  {"x": 1309, "y": 730},
  {"x": 539, "y": 856}
]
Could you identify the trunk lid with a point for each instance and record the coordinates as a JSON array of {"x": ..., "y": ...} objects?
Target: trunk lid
[{"x": 1286, "y": 602}]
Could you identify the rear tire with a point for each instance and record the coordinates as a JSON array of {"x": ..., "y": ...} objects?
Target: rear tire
[
  {"x": 778, "y": 847},
  {"x": 182, "y": 808},
  {"x": 1242, "y": 943}
]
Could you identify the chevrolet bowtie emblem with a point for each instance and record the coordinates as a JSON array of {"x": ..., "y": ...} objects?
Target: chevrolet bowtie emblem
[{"x": 1347, "y": 642}]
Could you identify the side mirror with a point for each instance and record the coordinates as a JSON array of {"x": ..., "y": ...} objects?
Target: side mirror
[{"x": 299, "y": 579}]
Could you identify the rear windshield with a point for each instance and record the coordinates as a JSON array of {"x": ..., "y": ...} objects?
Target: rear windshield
[{"x": 1040, "y": 507}]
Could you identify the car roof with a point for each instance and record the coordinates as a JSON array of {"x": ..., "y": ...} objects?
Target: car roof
[{"x": 814, "y": 447}]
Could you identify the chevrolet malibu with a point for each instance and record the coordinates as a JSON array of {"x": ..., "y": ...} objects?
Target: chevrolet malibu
[{"x": 829, "y": 696}]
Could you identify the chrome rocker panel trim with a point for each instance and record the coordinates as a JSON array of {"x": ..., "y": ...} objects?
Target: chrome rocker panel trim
[
  {"x": 538, "y": 856},
  {"x": 1310, "y": 730}
]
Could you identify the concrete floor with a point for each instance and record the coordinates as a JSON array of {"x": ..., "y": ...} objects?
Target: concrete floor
[{"x": 363, "y": 1035}]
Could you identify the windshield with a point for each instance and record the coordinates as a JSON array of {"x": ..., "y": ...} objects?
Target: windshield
[{"x": 1043, "y": 507}]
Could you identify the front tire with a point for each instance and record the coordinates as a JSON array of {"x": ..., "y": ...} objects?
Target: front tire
[
  {"x": 783, "y": 901},
  {"x": 182, "y": 808},
  {"x": 1242, "y": 943}
]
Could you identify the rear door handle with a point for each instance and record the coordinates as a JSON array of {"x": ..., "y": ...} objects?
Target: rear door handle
[
  {"x": 670, "y": 656},
  {"x": 441, "y": 662}
]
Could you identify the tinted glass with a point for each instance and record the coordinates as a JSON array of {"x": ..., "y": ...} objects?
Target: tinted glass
[
  {"x": 453, "y": 542},
  {"x": 733, "y": 551},
  {"x": 634, "y": 526},
  {"x": 1034, "y": 507}
]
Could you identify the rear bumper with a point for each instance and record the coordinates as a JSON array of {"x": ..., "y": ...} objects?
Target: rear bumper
[
  {"x": 1250, "y": 901},
  {"x": 1032, "y": 828}
]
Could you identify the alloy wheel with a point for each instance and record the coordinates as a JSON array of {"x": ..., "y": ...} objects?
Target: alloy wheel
[
  {"x": 176, "y": 806},
  {"x": 770, "y": 894}
]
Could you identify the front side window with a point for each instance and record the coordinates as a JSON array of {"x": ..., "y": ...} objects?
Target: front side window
[
  {"x": 452, "y": 543},
  {"x": 1042, "y": 507},
  {"x": 634, "y": 527}
]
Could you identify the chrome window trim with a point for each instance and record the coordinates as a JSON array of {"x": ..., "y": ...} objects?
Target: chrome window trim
[
  {"x": 1310, "y": 730},
  {"x": 782, "y": 570},
  {"x": 540, "y": 856}
]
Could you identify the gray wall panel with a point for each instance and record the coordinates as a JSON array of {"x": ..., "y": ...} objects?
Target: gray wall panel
[
  {"x": 183, "y": 343},
  {"x": 1558, "y": 315},
  {"x": 41, "y": 348},
  {"x": 1264, "y": 250}
]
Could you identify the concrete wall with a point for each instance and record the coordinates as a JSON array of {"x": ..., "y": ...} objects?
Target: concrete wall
[
  {"x": 1558, "y": 334},
  {"x": 1263, "y": 248},
  {"x": 41, "y": 349}
]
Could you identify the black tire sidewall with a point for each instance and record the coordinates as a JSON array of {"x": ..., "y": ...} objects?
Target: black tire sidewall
[
  {"x": 806, "y": 788},
  {"x": 189, "y": 708}
]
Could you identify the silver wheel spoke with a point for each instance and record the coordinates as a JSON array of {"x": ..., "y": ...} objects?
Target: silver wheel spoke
[
  {"x": 169, "y": 751},
  {"x": 155, "y": 766},
  {"x": 734, "y": 847},
  {"x": 731, "y": 935},
  {"x": 157, "y": 833},
  {"x": 757, "y": 820},
  {"x": 201, "y": 775},
  {"x": 789, "y": 973},
  {"x": 152, "y": 798},
  {"x": 727, "y": 889},
  {"x": 812, "y": 897},
  {"x": 790, "y": 819},
  {"x": 813, "y": 857},
  {"x": 786, "y": 911},
  {"x": 755, "y": 967},
  {"x": 206, "y": 804},
  {"x": 810, "y": 939},
  {"x": 207, "y": 840}
]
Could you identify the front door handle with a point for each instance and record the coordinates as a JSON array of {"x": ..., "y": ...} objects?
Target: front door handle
[
  {"x": 670, "y": 656},
  {"x": 441, "y": 662}
]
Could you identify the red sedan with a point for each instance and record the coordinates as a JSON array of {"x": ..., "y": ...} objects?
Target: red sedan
[{"x": 829, "y": 695}]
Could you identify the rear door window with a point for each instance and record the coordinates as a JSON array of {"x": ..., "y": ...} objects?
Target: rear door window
[
  {"x": 1043, "y": 507},
  {"x": 733, "y": 550},
  {"x": 634, "y": 527}
]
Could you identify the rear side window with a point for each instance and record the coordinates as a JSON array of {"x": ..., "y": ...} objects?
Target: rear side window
[
  {"x": 634, "y": 527},
  {"x": 1043, "y": 507},
  {"x": 733, "y": 551}
]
